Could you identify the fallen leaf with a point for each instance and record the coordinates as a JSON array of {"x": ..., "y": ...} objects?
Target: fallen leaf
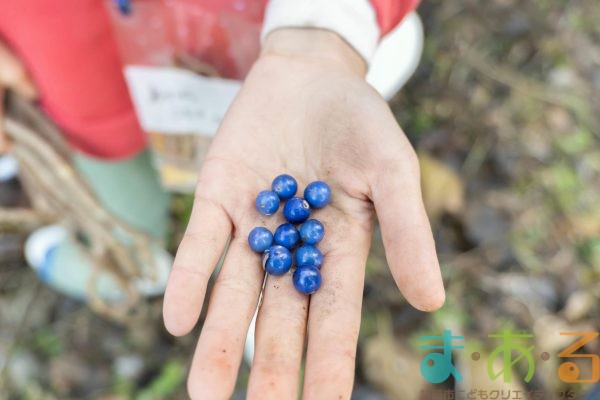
[{"x": 443, "y": 190}]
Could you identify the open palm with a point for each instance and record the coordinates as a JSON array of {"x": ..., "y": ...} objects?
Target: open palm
[{"x": 315, "y": 119}]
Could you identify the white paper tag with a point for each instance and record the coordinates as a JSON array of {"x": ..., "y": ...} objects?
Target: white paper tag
[{"x": 175, "y": 101}]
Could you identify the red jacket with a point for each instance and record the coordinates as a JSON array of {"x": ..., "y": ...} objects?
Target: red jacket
[
  {"x": 390, "y": 12},
  {"x": 70, "y": 50}
]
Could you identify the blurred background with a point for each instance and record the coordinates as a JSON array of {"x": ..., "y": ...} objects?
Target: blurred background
[{"x": 505, "y": 113}]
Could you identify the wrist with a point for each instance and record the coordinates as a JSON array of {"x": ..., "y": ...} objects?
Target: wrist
[{"x": 312, "y": 44}]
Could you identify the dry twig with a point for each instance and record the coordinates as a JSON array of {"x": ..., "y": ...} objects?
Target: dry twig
[{"x": 56, "y": 190}]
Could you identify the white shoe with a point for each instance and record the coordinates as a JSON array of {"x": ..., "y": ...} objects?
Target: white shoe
[
  {"x": 9, "y": 167},
  {"x": 64, "y": 267}
]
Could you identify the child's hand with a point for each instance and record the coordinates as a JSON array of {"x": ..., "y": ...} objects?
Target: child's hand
[
  {"x": 304, "y": 110},
  {"x": 12, "y": 76}
]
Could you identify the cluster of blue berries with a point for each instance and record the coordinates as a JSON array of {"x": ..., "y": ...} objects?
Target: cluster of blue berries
[{"x": 277, "y": 248}]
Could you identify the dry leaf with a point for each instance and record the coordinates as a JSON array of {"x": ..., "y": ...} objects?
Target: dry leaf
[
  {"x": 391, "y": 366},
  {"x": 443, "y": 190}
]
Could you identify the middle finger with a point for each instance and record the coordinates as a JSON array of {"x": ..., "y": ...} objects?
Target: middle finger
[
  {"x": 221, "y": 343},
  {"x": 280, "y": 332}
]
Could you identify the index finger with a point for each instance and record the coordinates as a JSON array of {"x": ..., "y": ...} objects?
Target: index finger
[{"x": 197, "y": 256}]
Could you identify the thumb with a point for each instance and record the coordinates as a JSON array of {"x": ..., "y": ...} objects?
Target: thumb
[{"x": 406, "y": 232}]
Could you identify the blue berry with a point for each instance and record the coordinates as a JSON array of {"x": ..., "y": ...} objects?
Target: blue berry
[
  {"x": 260, "y": 239},
  {"x": 285, "y": 186},
  {"x": 278, "y": 260},
  {"x": 296, "y": 210},
  {"x": 267, "y": 202},
  {"x": 307, "y": 280},
  {"x": 309, "y": 255},
  {"x": 312, "y": 231},
  {"x": 287, "y": 236},
  {"x": 318, "y": 194}
]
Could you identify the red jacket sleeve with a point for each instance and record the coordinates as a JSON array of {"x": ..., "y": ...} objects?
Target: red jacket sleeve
[
  {"x": 390, "y": 12},
  {"x": 71, "y": 54}
]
